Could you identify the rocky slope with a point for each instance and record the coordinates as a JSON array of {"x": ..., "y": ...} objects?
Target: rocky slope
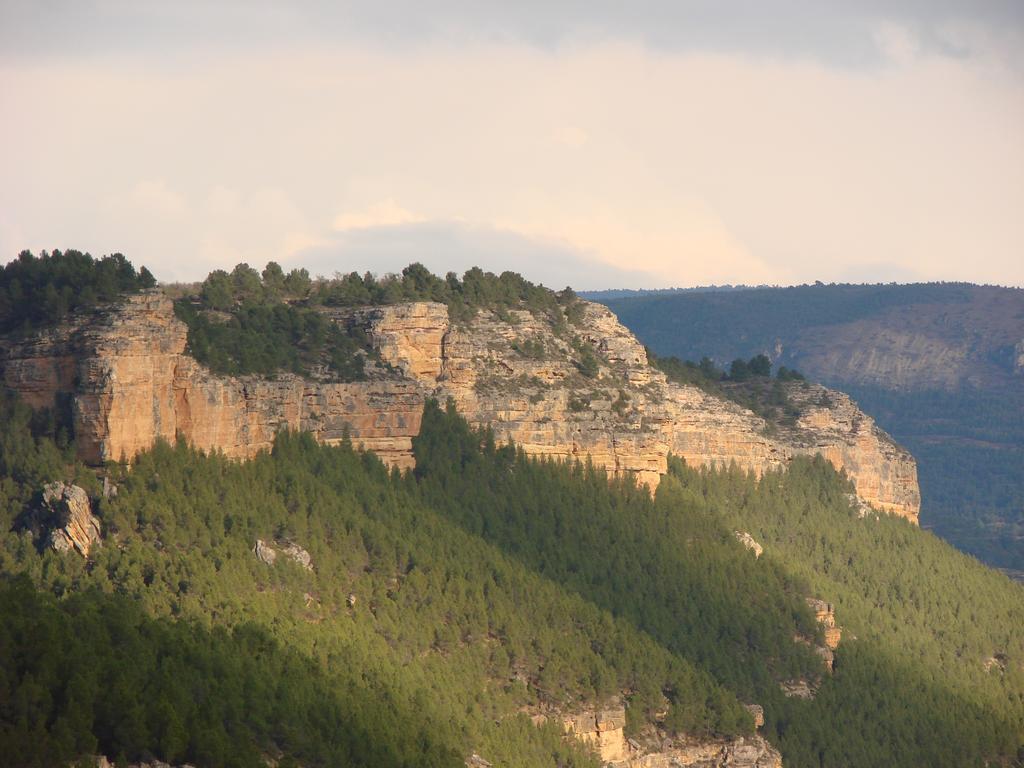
[{"x": 130, "y": 382}]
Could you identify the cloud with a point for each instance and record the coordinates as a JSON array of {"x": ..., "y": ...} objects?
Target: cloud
[
  {"x": 387, "y": 213},
  {"x": 674, "y": 168},
  {"x": 153, "y": 195},
  {"x": 839, "y": 33}
]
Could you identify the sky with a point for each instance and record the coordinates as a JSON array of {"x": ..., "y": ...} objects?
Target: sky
[{"x": 594, "y": 144}]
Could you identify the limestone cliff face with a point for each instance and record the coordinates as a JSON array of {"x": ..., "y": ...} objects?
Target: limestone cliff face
[
  {"x": 131, "y": 382},
  {"x": 521, "y": 378},
  {"x": 602, "y": 730},
  {"x": 749, "y": 752}
]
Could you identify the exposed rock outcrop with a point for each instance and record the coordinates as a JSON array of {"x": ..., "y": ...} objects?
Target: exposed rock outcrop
[
  {"x": 297, "y": 555},
  {"x": 602, "y": 729},
  {"x": 748, "y": 541},
  {"x": 997, "y": 661},
  {"x": 67, "y": 513},
  {"x": 757, "y": 712},
  {"x": 825, "y": 614},
  {"x": 743, "y": 752},
  {"x": 102, "y": 761},
  {"x": 264, "y": 552},
  {"x": 799, "y": 688},
  {"x": 130, "y": 382},
  {"x": 268, "y": 554}
]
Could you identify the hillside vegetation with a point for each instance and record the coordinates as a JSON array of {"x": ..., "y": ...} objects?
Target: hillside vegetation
[
  {"x": 482, "y": 585},
  {"x": 463, "y": 607},
  {"x": 247, "y": 322},
  {"x": 43, "y": 290}
]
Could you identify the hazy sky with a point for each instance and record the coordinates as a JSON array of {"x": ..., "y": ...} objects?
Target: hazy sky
[{"x": 597, "y": 144}]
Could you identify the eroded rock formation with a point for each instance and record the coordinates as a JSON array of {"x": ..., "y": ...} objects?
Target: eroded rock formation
[
  {"x": 742, "y": 752},
  {"x": 825, "y": 614},
  {"x": 131, "y": 382},
  {"x": 67, "y": 513},
  {"x": 268, "y": 554},
  {"x": 602, "y": 729}
]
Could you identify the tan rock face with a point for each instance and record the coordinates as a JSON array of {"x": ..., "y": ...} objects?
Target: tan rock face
[
  {"x": 67, "y": 509},
  {"x": 131, "y": 383},
  {"x": 825, "y": 615},
  {"x": 407, "y": 336},
  {"x": 603, "y": 730}
]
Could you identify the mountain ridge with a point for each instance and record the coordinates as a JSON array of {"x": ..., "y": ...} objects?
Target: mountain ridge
[{"x": 130, "y": 380}]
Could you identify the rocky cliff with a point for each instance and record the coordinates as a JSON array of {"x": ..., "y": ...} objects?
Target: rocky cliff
[
  {"x": 130, "y": 382},
  {"x": 602, "y": 729}
]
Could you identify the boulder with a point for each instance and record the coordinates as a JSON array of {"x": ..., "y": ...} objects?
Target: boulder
[
  {"x": 264, "y": 552},
  {"x": 297, "y": 554},
  {"x": 268, "y": 554}
]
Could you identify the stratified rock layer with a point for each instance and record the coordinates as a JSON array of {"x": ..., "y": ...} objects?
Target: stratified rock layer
[
  {"x": 749, "y": 752},
  {"x": 131, "y": 383},
  {"x": 602, "y": 730}
]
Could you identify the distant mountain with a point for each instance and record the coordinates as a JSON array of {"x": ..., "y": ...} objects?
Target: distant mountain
[
  {"x": 939, "y": 365},
  {"x": 625, "y": 293}
]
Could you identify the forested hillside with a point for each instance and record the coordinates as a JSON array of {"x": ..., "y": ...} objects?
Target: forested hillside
[
  {"x": 312, "y": 607},
  {"x": 938, "y": 365},
  {"x": 442, "y": 603}
]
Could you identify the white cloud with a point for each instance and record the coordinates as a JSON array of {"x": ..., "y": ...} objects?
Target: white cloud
[
  {"x": 387, "y": 213},
  {"x": 154, "y": 196}
]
